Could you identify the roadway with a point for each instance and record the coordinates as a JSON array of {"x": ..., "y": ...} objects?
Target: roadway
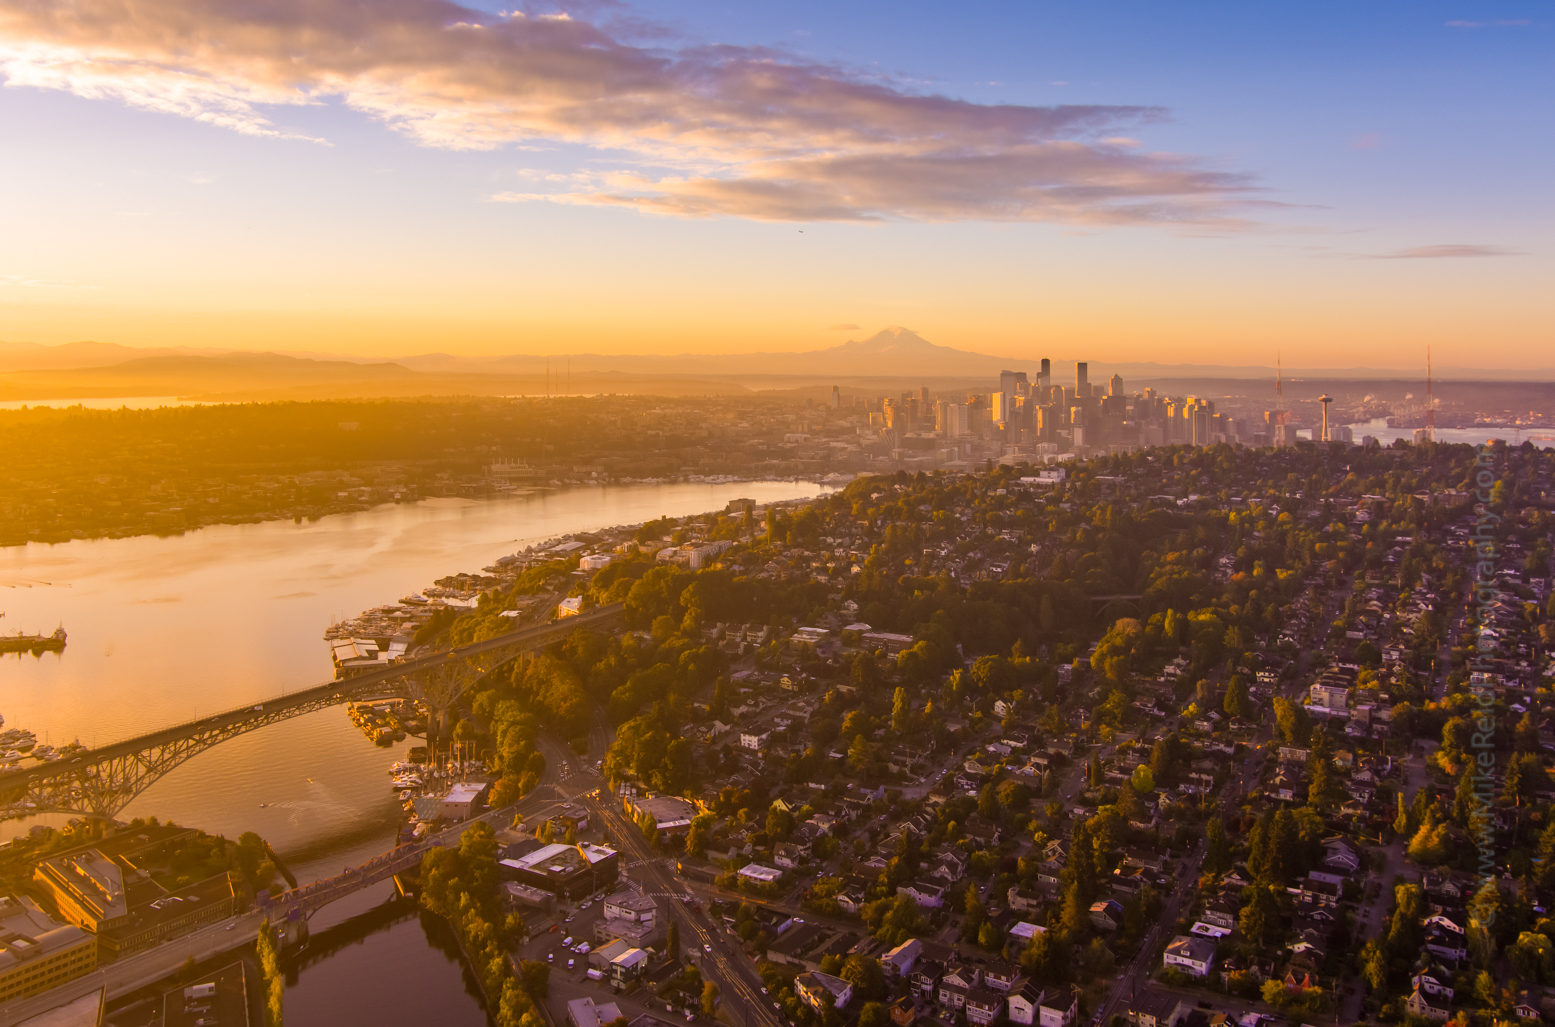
[{"x": 145, "y": 968}]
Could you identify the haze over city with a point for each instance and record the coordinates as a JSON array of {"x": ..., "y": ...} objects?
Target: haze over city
[{"x": 608, "y": 514}]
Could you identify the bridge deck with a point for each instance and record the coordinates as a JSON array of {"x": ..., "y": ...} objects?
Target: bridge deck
[{"x": 329, "y": 693}]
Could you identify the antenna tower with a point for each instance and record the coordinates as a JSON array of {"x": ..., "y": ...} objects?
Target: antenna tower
[
  {"x": 1430, "y": 401},
  {"x": 1279, "y": 400}
]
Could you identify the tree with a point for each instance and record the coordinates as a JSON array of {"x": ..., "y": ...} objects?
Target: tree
[
  {"x": 1076, "y": 915},
  {"x": 860, "y": 755},
  {"x": 1236, "y": 702},
  {"x": 1374, "y": 966},
  {"x": 1403, "y": 824},
  {"x": 866, "y": 976},
  {"x": 270, "y": 972},
  {"x": 1217, "y": 855},
  {"x": 1544, "y": 862},
  {"x": 874, "y": 1014},
  {"x": 901, "y": 712},
  {"x": 1291, "y": 718},
  {"x": 1260, "y": 918},
  {"x": 1429, "y": 845},
  {"x": 1142, "y": 780},
  {"x": 536, "y": 978},
  {"x": 709, "y": 998},
  {"x": 1465, "y": 801},
  {"x": 672, "y": 940}
]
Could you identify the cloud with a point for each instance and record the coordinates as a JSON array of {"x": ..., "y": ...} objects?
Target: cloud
[
  {"x": 1508, "y": 23},
  {"x": 1369, "y": 141},
  {"x": 1450, "y": 250},
  {"x": 844, "y": 328},
  {"x": 693, "y": 131}
]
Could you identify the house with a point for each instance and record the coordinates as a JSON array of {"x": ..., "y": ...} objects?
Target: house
[
  {"x": 955, "y": 986},
  {"x": 904, "y": 1011},
  {"x": 754, "y": 739},
  {"x": 1000, "y": 975},
  {"x": 822, "y": 991},
  {"x": 1433, "y": 983},
  {"x": 1320, "y": 893},
  {"x": 899, "y": 961},
  {"x": 1024, "y": 1003},
  {"x": 787, "y": 855},
  {"x": 924, "y": 894},
  {"x": 983, "y": 1006},
  {"x": 1059, "y": 1008},
  {"x": 1419, "y": 1003},
  {"x": 925, "y": 977},
  {"x": 1107, "y": 914},
  {"x": 1157, "y": 1009},
  {"x": 1190, "y": 954}
]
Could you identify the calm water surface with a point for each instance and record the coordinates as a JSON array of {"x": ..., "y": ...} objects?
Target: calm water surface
[{"x": 163, "y": 630}]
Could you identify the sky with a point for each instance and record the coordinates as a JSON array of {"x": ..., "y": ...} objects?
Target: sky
[{"x": 1340, "y": 184}]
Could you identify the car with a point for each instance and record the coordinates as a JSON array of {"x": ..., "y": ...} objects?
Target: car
[
  {"x": 798, "y": 919},
  {"x": 550, "y": 957},
  {"x": 569, "y": 917},
  {"x": 571, "y": 963},
  {"x": 231, "y": 926},
  {"x": 763, "y": 991},
  {"x": 707, "y": 948},
  {"x": 554, "y": 927},
  {"x": 567, "y": 942}
]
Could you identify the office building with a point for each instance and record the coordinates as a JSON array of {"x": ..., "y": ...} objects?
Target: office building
[
  {"x": 1082, "y": 380},
  {"x": 38, "y": 952}
]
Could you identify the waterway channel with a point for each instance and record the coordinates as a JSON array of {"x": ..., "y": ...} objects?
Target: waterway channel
[{"x": 162, "y": 630}]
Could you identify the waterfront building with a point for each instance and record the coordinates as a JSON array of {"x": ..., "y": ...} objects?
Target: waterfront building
[
  {"x": 566, "y": 871},
  {"x": 465, "y": 799},
  {"x": 114, "y": 890},
  {"x": 38, "y": 952}
]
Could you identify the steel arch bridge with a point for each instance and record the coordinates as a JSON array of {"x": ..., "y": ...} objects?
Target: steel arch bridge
[{"x": 102, "y": 781}]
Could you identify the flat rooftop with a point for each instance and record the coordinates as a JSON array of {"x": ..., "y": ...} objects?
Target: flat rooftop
[{"x": 560, "y": 858}]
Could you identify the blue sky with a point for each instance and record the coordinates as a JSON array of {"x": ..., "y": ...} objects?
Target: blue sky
[{"x": 1348, "y": 182}]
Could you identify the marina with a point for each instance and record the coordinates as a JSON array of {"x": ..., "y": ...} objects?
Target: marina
[{"x": 166, "y": 630}]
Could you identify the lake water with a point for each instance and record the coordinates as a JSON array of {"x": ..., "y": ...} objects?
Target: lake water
[
  {"x": 162, "y": 630},
  {"x": 1542, "y": 438}
]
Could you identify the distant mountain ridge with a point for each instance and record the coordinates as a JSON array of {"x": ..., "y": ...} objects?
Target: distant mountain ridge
[{"x": 892, "y": 353}]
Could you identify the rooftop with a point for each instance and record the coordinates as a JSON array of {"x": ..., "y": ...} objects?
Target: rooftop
[{"x": 560, "y": 858}]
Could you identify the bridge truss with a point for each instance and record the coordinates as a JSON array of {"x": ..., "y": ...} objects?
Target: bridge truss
[{"x": 100, "y": 782}]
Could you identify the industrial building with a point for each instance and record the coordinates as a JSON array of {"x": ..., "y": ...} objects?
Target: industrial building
[{"x": 566, "y": 871}]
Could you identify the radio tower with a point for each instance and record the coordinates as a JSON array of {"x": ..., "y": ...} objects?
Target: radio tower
[
  {"x": 1279, "y": 400},
  {"x": 1430, "y": 402}
]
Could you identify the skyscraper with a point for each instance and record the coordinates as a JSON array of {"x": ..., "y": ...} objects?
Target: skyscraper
[
  {"x": 1082, "y": 380},
  {"x": 1115, "y": 385}
]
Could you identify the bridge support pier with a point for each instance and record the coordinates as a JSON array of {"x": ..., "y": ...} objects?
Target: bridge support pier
[{"x": 295, "y": 929}]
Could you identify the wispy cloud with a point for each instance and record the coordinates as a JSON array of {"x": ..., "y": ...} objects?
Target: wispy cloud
[
  {"x": 1500, "y": 24},
  {"x": 844, "y": 328},
  {"x": 1457, "y": 249},
  {"x": 699, "y": 131},
  {"x": 1368, "y": 141}
]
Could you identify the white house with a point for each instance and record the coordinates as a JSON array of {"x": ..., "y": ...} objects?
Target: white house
[
  {"x": 754, "y": 740},
  {"x": 1190, "y": 954}
]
